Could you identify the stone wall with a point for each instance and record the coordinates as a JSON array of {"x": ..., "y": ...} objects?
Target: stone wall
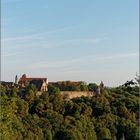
[{"x": 74, "y": 94}]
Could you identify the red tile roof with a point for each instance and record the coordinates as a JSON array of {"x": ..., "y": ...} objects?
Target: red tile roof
[{"x": 25, "y": 78}]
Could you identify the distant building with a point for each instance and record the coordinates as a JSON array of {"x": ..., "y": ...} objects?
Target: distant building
[
  {"x": 7, "y": 84},
  {"x": 16, "y": 80},
  {"x": 98, "y": 90},
  {"x": 67, "y": 85},
  {"x": 40, "y": 83}
]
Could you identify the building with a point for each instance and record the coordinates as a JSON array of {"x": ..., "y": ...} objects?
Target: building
[
  {"x": 8, "y": 85},
  {"x": 40, "y": 83}
]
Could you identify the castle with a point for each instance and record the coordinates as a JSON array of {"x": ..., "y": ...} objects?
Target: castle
[{"x": 40, "y": 83}]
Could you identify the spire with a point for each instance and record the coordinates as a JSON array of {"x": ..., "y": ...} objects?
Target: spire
[
  {"x": 102, "y": 84},
  {"x": 24, "y": 76},
  {"x": 16, "y": 79}
]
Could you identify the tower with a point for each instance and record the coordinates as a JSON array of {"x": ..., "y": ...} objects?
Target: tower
[
  {"x": 99, "y": 90},
  {"x": 16, "y": 79},
  {"x": 101, "y": 86}
]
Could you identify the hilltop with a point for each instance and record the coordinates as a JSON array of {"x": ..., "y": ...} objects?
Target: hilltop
[{"x": 113, "y": 114}]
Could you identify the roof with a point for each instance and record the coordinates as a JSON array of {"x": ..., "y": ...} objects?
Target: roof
[
  {"x": 24, "y": 78},
  {"x": 37, "y": 83},
  {"x": 7, "y": 84}
]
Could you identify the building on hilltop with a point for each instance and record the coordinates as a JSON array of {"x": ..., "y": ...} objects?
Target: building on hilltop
[
  {"x": 40, "y": 83},
  {"x": 7, "y": 84},
  {"x": 16, "y": 80}
]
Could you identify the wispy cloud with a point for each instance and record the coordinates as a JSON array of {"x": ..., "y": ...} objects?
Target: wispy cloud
[
  {"x": 79, "y": 71},
  {"x": 53, "y": 44},
  {"x": 86, "y": 40},
  {"x": 81, "y": 60},
  {"x": 60, "y": 63},
  {"x": 47, "y": 43},
  {"x": 116, "y": 56},
  {"x": 36, "y": 35}
]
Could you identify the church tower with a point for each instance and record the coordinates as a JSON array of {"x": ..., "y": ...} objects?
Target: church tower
[{"x": 16, "y": 79}]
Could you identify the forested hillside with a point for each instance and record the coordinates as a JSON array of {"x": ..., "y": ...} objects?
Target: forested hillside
[{"x": 112, "y": 115}]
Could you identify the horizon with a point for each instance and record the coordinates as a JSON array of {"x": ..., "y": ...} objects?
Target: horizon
[
  {"x": 74, "y": 40},
  {"x": 65, "y": 80}
]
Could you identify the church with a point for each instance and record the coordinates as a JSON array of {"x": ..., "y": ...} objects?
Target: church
[{"x": 40, "y": 83}]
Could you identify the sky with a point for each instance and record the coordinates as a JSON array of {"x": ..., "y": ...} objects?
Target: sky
[{"x": 75, "y": 40}]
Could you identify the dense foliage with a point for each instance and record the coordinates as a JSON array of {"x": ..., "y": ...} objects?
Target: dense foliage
[
  {"x": 112, "y": 115},
  {"x": 70, "y": 86}
]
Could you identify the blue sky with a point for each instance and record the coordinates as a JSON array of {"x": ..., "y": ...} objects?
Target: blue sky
[{"x": 90, "y": 40}]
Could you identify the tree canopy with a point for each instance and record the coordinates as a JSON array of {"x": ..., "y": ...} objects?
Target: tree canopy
[{"x": 114, "y": 115}]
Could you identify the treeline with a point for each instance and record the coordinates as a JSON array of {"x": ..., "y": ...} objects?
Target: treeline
[
  {"x": 75, "y": 86},
  {"x": 113, "y": 115}
]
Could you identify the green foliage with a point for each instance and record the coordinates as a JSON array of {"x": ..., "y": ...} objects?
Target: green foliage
[
  {"x": 113, "y": 115},
  {"x": 104, "y": 133},
  {"x": 6, "y": 118},
  {"x": 70, "y": 86},
  {"x": 93, "y": 87},
  {"x": 83, "y": 87},
  {"x": 23, "y": 108},
  {"x": 29, "y": 96},
  {"x": 53, "y": 90},
  {"x": 2, "y": 90}
]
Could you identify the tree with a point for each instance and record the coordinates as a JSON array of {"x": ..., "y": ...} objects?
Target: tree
[
  {"x": 6, "y": 119},
  {"x": 104, "y": 133},
  {"x": 137, "y": 78},
  {"x": 83, "y": 87},
  {"x": 53, "y": 90},
  {"x": 14, "y": 91},
  {"x": 32, "y": 130},
  {"x": 29, "y": 95},
  {"x": 22, "y": 107},
  {"x": 112, "y": 115},
  {"x": 2, "y": 90},
  {"x": 93, "y": 87},
  {"x": 48, "y": 135},
  {"x": 10, "y": 124},
  {"x": 71, "y": 88}
]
